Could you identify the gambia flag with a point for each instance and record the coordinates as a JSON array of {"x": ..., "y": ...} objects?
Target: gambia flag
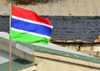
[{"x": 28, "y": 27}]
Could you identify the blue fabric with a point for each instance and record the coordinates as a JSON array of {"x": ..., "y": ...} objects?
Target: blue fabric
[{"x": 31, "y": 27}]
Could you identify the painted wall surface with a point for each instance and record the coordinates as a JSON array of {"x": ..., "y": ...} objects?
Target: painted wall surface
[
  {"x": 52, "y": 65},
  {"x": 91, "y": 49},
  {"x": 83, "y": 47},
  {"x": 59, "y": 7}
]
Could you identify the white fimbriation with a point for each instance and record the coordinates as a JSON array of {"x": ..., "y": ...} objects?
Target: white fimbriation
[
  {"x": 30, "y": 33},
  {"x": 30, "y": 21}
]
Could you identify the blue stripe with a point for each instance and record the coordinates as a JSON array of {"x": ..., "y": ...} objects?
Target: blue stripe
[{"x": 31, "y": 27}]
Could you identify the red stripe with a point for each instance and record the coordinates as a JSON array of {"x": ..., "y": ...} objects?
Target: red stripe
[{"x": 30, "y": 15}]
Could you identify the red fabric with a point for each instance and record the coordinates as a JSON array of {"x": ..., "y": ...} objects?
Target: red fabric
[{"x": 30, "y": 15}]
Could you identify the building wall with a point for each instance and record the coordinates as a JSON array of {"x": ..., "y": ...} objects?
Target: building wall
[
  {"x": 16, "y": 52},
  {"x": 91, "y": 49},
  {"x": 59, "y": 8},
  {"x": 52, "y": 65},
  {"x": 48, "y": 64},
  {"x": 80, "y": 47},
  {"x": 65, "y": 8}
]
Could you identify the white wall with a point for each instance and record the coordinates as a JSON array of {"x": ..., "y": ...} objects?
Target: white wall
[{"x": 61, "y": 7}]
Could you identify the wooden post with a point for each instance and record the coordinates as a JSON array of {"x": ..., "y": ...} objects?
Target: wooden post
[
  {"x": 97, "y": 53},
  {"x": 10, "y": 39}
]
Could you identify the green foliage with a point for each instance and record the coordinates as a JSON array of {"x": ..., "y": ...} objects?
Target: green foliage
[{"x": 95, "y": 56}]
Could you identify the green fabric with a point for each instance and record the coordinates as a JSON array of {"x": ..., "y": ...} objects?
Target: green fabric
[
  {"x": 62, "y": 53},
  {"x": 27, "y": 38},
  {"x": 16, "y": 65}
]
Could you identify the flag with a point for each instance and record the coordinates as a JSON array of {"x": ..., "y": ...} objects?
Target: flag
[{"x": 28, "y": 27}]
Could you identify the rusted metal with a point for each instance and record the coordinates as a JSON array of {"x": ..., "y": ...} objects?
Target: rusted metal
[{"x": 72, "y": 41}]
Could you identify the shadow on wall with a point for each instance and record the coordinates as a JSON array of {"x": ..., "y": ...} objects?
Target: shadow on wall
[{"x": 34, "y": 2}]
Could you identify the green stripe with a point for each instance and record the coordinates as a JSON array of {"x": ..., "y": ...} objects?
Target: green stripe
[{"x": 27, "y": 38}]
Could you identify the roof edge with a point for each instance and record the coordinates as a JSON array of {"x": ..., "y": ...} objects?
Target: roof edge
[
  {"x": 66, "y": 59},
  {"x": 74, "y": 41}
]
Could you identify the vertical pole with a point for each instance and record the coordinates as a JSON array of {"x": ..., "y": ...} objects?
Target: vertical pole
[
  {"x": 10, "y": 39},
  {"x": 97, "y": 53}
]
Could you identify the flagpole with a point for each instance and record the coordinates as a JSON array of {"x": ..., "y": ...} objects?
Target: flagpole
[{"x": 9, "y": 35}]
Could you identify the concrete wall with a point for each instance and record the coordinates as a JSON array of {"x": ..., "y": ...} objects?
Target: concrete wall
[
  {"x": 16, "y": 52},
  {"x": 83, "y": 47},
  {"x": 91, "y": 49},
  {"x": 59, "y": 7},
  {"x": 52, "y": 65}
]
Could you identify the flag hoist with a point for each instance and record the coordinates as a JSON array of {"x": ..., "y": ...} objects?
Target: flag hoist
[{"x": 27, "y": 27}]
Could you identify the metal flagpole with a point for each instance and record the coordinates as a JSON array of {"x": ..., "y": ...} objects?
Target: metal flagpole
[{"x": 10, "y": 39}]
